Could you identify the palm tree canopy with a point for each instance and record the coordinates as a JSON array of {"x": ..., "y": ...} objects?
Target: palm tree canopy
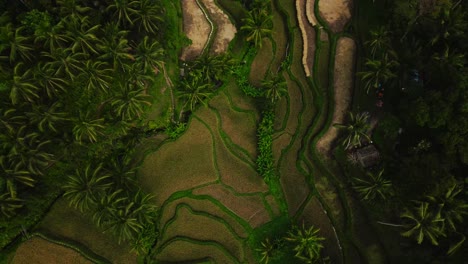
[
  {"x": 355, "y": 130},
  {"x": 257, "y": 25},
  {"x": 373, "y": 186},
  {"x": 423, "y": 222}
]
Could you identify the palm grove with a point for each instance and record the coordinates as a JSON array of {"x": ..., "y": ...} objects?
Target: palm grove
[
  {"x": 74, "y": 80},
  {"x": 418, "y": 54}
]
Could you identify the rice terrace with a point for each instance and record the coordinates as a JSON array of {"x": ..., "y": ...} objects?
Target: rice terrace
[{"x": 233, "y": 131}]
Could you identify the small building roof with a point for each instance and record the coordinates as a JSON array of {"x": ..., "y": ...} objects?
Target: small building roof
[{"x": 367, "y": 156}]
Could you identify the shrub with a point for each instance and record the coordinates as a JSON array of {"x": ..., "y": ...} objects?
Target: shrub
[
  {"x": 175, "y": 130},
  {"x": 265, "y": 161}
]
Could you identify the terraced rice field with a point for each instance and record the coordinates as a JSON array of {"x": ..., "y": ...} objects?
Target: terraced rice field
[
  {"x": 40, "y": 251},
  {"x": 205, "y": 182}
]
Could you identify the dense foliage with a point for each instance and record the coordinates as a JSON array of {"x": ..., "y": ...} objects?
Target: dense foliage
[
  {"x": 415, "y": 54},
  {"x": 74, "y": 79}
]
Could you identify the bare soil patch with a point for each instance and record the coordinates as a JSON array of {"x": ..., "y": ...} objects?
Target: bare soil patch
[
  {"x": 308, "y": 37},
  {"x": 39, "y": 251},
  {"x": 225, "y": 29},
  {"x": 343, "y": 85},
  {"x": 191, "y": 251},
  {"x": 199, "y": 227},
  {"x": 250, "y": 208},
  {"x": 180, "y": 165},
  {"x": 196, "y": 27},
  {"x": 202, "y": 206},
  {"x": 337, "y": 13},
  {"x": 314, "y": 214},
  {"x": 68, "y": 222}
]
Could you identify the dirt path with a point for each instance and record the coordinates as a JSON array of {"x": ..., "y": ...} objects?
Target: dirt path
[
  {"x": 225, "y": 30},
  {"x": 343, "y": 86},
  {"x": 196, "y": 27},
  {"x": 308, "y": 35},
  {"x": 337, "y": 13}
]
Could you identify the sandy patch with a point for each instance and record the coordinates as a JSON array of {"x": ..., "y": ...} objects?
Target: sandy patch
[
  {"x": 180, "y": 165},
  {"x": 337, "y": 13},
  {"x": 196, "y": 28},
  {"x": 343, "y": 85},
  {"x": 308, "y": 37},
  {"x": 250, "y": 208},
  {"x": 225, "y": 29},
  {"x": 39, "y": 251}
]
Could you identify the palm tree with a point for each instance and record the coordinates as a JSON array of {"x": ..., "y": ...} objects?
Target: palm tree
[
  {"x": 452, "y": 209},
  {"x": 106, "y": 207},
  {"x": 54, "y": 38},
  {"x": 86, "y": 186},
  {"x": 307, "y": 243},
  {"x": 211, "y": 67},
  {"x": 129, "y": 102},
  {"x": 123, "y": 10},
  {"x": 423, "y": 222},
  {"x": 257, "y": 25},
  {"x": 194, "y": 92},
  {"x": 96, "y": 75},
  {"x": 267, "y": 250},
  {"x": 129, "y": 219},
  {"x": 373, "y": 186},
  {"x": 13, "y": 40},
  {"x": 87, "y": 128},
  {"x": 115, "y": 52},
  {"x": 378, "y": 71},
  {"x": 122, "y": 172},
  {"x": 53, "y": 85},
  {"x": 8, "y": 205},
  {"x": 148, "y": 55},
  {"x": 11, "y": 118},
  {"x": 379, "y": 40},
  {"x": 111, "y": 31},
  {"x": 64, "y": 62},
  {"x": 274, "y": 88},
  {"x": 72, "y": 9},
  {"x": 146, "y": 14},
  {"x": 22, "y": 87},
  {"x": 449, "y": 61},
  {"x": 82, "y": 34},
  {"x": 28, "y": 150},
  {"x": 47, "y": 117},
  {"x": 355, "y": 130},
  {"x": 13, "y": 174}
]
